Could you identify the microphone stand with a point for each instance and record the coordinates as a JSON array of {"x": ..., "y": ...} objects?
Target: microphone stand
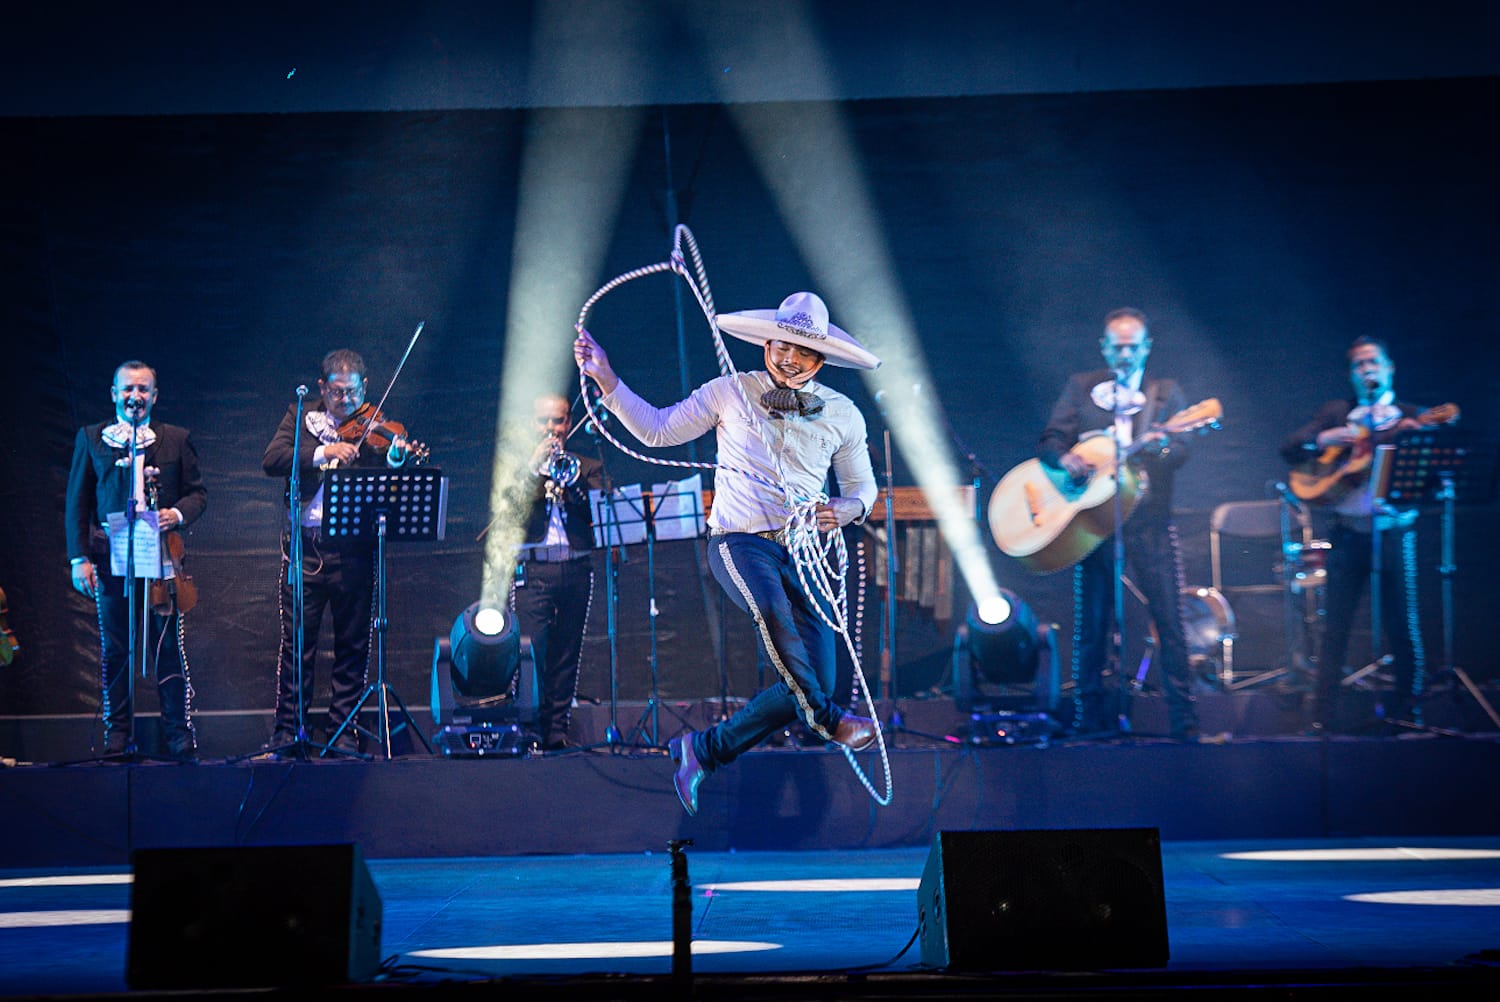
[
  {"x": 1378, "y": 507},
  {"x": 888, "y": 635},
  {"x": 1122, "y": 693},
  {"x": 137, "y": 608},
  {"x": 300, "y": 745}
]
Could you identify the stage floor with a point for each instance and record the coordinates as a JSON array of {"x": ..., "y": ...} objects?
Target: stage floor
[{"x": 1317, "y": 917}]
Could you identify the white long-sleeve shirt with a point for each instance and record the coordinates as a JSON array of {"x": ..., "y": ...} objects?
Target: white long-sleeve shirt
[{"x": 802, "y": 449}]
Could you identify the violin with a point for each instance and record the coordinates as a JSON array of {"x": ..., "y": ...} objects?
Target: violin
[
  {"x": 369, "y": 424},
  {"x": 8, "y": 642},
  {"x": 178, "y": 590}
]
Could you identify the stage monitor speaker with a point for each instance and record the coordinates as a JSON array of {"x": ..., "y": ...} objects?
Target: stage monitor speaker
[
  {"x": 252, "y": 917},
  {"x": 1087, "y": 899}
]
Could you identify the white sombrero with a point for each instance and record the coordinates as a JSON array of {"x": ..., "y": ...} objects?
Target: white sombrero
[{"x": 801, "y": 319}]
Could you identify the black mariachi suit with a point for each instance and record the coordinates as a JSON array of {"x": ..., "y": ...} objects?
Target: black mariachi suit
[
  {"x": 336, "y": 576},
  {"x": 1151, "y": 553},
  {"x": 551, "y": 597},
  {"x": 1350, "y": 561},
  {"x": 97, "y": 486}
]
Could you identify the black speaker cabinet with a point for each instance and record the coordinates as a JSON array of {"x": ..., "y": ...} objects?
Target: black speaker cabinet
[
  {"x": 252, "y": 917},
  {"x": 1088, "y": 899}
]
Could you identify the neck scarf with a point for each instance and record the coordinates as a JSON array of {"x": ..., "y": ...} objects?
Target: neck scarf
[{"x": 783, "y": 400}]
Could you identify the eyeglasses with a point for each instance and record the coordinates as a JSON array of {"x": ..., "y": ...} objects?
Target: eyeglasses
[{"x": 343, "y": 392}]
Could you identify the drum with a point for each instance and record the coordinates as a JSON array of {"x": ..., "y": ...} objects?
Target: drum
[
  {"x": 1307, "y": 564},
  {"x": 1207, "y": 620}
]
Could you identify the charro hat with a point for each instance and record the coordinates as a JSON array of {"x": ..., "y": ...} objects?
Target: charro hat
[{"x": 801, "y": 319}]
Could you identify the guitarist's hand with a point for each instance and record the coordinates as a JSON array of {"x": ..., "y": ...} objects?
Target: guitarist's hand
[
  {"x": 1341, "y": 436},
  {"x": 1078, "y": 468},
  {"x": 1157, "y": 439}
]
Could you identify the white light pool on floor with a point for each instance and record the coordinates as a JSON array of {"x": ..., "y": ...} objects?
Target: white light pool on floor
[
  {"x": 591, "y": 951},
  {"x": 1484, "y": 897},
  {"x": 852, "y": 884},
  {"x": 1404, "y": 853},
  {"x": 73, "y": 916},
  {"x": 69, "y": 880}
]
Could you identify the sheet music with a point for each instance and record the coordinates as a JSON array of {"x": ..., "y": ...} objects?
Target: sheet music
[
  {"x": 148, "y": 549},
  {"x": 679, "y": 508},
  {"x": 619, "y": 519}
]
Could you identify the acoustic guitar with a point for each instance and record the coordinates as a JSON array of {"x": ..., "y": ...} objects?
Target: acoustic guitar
[
  {"x": 1339, "y": 470},
  {"x": 1048, "y": 521}
]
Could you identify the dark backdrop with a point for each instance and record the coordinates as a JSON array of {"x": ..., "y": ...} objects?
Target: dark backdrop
[{"x": 1261, "y": 228}]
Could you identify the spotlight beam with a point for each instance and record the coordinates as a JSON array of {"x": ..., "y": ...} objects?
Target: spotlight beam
[
  {"x": 575, "y": 165},
  {"x": 808, "y": 158}
]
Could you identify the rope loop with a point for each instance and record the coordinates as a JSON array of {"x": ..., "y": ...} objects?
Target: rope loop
[{"x": 822, "y": 564}]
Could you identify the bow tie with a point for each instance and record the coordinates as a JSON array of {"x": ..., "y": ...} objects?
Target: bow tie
[
  {"x": 1130, "y": 400},
  {"x": 783, "y": 400},
  {"x": 117, "y": 435}
]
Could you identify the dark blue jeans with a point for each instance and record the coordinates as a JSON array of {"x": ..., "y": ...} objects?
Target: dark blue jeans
[{"x": 760, "y": 578}]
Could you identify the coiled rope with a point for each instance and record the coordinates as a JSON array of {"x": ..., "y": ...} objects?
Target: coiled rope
[{"x": 819, "y": 563}]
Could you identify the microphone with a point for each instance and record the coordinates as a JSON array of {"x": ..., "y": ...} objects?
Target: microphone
[{"x": 302, "y": 390}]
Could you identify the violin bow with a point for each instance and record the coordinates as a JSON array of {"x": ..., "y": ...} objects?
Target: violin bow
[{"x": 392, "y": 384}]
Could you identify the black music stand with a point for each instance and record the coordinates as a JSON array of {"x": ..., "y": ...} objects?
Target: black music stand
[
  {"x": 405, "y": 505},
  {"x": 673, "y": 511},
  {"x": 1446, "y": 465},
  {"x": 619, "y": 518}
]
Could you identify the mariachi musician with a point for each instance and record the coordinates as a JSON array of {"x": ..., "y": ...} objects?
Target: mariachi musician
[
  {"x": 554, "y": 577},
  {"x": 1120, "y": 400},
  {"x": 100, "y": 483},
  {"x": 337, "y": 575},
  {"x": 1331, "y": 459}
]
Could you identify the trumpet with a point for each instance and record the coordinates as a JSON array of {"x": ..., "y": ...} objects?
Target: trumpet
[{"x": 561, "y": 469}]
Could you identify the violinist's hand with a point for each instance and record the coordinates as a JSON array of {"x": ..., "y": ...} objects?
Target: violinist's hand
[
  {"x": 344, "y": 452},
  {"x": 396, "y": 454},
  {"x": 593, "y": 362},
  {"x": 167, "y": 518},
  {"x": 839, "y": 512},
  {"x": 85, "y": 578}
]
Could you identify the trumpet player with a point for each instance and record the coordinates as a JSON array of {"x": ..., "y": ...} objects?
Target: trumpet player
[{"x": 555, "y": 573}]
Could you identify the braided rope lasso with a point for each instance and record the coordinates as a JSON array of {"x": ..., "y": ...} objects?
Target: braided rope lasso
[{"x": 810, "y": 554}]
